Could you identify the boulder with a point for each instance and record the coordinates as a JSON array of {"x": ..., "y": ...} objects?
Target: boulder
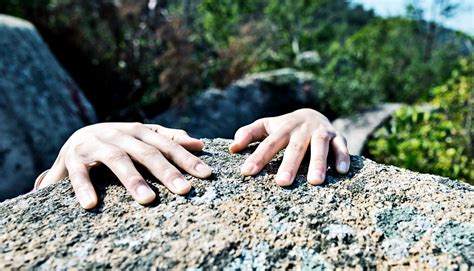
[
  {"x": 359, "y": 127},
  {"x": 219, "y": 113},
  {"x": 40, "y": 106},
  {"x": 375, "y": 217}
]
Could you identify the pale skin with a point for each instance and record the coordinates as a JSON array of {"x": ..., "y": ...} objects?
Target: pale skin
[{"x": 117, "y": 145}]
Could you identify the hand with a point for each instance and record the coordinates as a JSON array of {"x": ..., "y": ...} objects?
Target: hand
[
  {"x": 116, "y": 145},
  {"x": 295, "y": 131}
]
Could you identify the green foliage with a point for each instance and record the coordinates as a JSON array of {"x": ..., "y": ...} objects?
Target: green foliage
[
  {"x": 284, "y": 28},
  {"x": 133, "y": 60},
  {"x": 220, "y": 19},
  {"x": 127, "y": 58},
  {"x": 384, "y": 61},
  {"x": 438, "y": 141}
]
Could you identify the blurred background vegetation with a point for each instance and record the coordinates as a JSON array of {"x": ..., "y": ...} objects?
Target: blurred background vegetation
[{"x": 136, "y": 58}]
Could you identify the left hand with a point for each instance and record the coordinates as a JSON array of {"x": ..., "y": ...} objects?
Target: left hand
[{"x": 296, "y": 131}]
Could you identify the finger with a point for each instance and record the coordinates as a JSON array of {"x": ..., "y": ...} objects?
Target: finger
[
  {"x": 343, "y": 160},
  {"x": 264, "y": 153},
  {"x": 122, "y": 166},
  {"x": 319, "y": 154},
  {"x": 80, "y": 180},
  {"x": 56, "y": 173},
  {"x": 250, "y": 133},
  {"x": 178, "y": 136},
  {"x": 174, "y": 152},
  {"x": 294, "y": 154},
  {"x": 158, "y": 165}
]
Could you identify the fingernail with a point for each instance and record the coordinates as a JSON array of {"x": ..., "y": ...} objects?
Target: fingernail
[
  {"x": 145, "y": 194},
  {"x": 181, "y": 185},
  {"x": 343, "y": 167},
  {"x": 283, "y": 178},
  {"x": 316, "y": 176},
  {"x": 85, "y": 199},
  {"x": 238, "y": 134},
  {"x": 247, "y": 168},
  {"x": 203, "y": 170}
]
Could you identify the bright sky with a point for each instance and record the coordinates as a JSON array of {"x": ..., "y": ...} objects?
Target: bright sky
[{"x": 463, "y": 19}]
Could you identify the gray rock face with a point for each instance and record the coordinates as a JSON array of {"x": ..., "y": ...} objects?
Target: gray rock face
[
  {"x": 359, "y": 127},
  {"x": 40, "y": 106},
  {"x": 375, "y": 217},
  {"x": 219, "y": 113}
]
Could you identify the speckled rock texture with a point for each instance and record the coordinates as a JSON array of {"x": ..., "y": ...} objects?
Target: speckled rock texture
[
  {"x": 40, "y": 106},
  {"x": 377, "y": 216}
]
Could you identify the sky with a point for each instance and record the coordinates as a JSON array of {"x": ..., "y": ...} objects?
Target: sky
[{"x": 463, "y": 19}]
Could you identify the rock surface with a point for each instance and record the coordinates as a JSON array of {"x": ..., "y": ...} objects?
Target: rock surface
[
  {"x": 40, "y": 106},
  {"x": 360, "y": 126},
  {"x": 219, "y": 113},
  {"x": 375, "y": 217}
]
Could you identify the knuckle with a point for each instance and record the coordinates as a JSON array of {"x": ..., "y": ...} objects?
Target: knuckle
[
  {"x": 80, "y": 186},
  {"x": 171, "y": 149},
  {"x": 324, "y": 135},
  {"x": 172, "y": 145},
  {"x": 109, "y": 135},
  {"x": 299, "y": 147},
  {"x": 192, "y": 161},
  {"x": 134, "y": 181},
  {"x": 287, "y": 123},
  {"x": 150, "y": 153},
  {"x": 170, "y": 173},
  {"x": 81, "y": 150},
  {"x": 257, "y": 122},
  {"x": 75, "y": 174},
  {"x": 339, "y": 134},
  {"x": 269, "y": 144},
  {"x": 243, "y": 131},
  {"x": 116, "y": 156},
  {"x": 256, "y": 160},
  {"x": 78, "y": 150},
  {"x": 344, "y": 153},
  {"x": 318, "y": 162},
  {"x": 181, "y": 132},
  {"x": 305, "y": 127},
  {"x": 136, "y": 126}
]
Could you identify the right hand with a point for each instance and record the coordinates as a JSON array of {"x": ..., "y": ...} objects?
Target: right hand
[{"x": 116, "y": 145}]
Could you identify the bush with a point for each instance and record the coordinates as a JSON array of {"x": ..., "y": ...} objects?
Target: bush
[
  {"x": 132, "y": 61},
  {"x": 438, "y": 141},
  {"x": 386, "y": 60},
  {"x": 134, "y": 58}
]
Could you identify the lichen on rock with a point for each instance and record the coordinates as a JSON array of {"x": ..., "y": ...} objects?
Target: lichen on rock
[{"x": 376, "y": 216}]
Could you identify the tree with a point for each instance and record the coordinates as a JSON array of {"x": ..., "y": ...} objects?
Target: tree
[
  {"x": 438, "y": 141},
  {"x": 384, "y": 61}
]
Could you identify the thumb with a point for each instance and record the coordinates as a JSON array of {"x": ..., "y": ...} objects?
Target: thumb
[{"x": 255, "y": 131}]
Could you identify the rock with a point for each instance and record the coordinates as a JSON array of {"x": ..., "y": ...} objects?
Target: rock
[
  {"x": 307, "y": 59},
  {"x": 376, "y": 217},
  {"x": 359, "y": 127},
  {"x": 219, "y": 113},
  {"x": 40, "y": 106}
]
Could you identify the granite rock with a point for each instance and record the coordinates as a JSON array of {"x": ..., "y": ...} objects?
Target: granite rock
[
  {"x": 40, "y": 106},
  {"x": 359, "y": 127},
  {"x": 376, "y": 216},
  {"x": 219, "y": 113}
]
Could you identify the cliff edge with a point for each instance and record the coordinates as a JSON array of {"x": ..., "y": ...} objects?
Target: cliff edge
[{"x": 376, "y": 216}]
